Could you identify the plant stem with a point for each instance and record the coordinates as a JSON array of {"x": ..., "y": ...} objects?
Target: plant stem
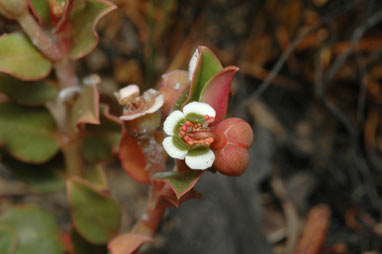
[
  {"x": 39, "y": 38},
  {"x": 152, "y": 216},
  {"x": 65, "y": 72}
]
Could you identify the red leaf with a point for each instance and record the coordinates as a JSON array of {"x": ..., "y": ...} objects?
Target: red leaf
[
  {"x": 132, "y": 158},
  {"x": 217, "y": 90},
  {"x": 128, "y": 243}
]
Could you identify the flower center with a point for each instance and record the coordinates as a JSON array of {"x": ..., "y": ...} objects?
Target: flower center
[{"x": 197, "y": 133}]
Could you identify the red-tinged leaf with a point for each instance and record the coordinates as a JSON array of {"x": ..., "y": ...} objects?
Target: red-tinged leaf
[
  {"x": 132, "y": 158},
  {"x": 28, "y": 134},
  {"x": 86, "y": 108},
  {"x": 165, "y": 191},
  {"x": 96, "y": 216},
  {"x": 19, "y": 58},
  {"x": 206, "y": 67},
  {"x": 216, "y": 92},
  {"x": 179, "y": 182},
  {"x": 128, "y": 243},
  {"x": 84, "y": 20},
  {"x": 28, "y": 93},
  {"x": 172, "y": 85},
  {"x": 40, "y": 10}
]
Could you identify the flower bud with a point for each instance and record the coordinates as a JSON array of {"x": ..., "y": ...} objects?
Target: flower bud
[{"x": 233, "y": 137}]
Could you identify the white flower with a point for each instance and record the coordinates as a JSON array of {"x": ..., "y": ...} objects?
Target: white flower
[{"x": 190, "y": 136}]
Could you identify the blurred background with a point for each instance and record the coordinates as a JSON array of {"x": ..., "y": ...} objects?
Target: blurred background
[{"x": 310, "y": 84}]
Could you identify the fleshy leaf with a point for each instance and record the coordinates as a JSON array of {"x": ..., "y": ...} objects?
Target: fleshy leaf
[
  {"x": 86, "y": 108},
  {"x": 81, "y": 246},
  {"x": 84, "y": 21},
  {"x": 41, "y": 178},
  {"x": 179, "y": 182},
  {"x": 96, "y": 176},
  {"x": 132, "y": 158},
  {"x": 96, "y": 216},
  {"x": 101, "y": 142},
  {"x": 40, "y": 9},
  {"x": 19, "y": 58},
  {"x": 29, "y": 134},
  {"x": 216, "y": 92},
  {"x": 35, "y": 229},
  {"x": 207, "y": 66},
  {"x": 172, "y": 85},
  {"x": 128, "y": 243},
  {"x": 8, "y": 240},
  {"x": 28, "y": 93}
]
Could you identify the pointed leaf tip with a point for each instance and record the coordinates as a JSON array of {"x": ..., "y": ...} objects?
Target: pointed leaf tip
[{"x": 216, "y": 92}]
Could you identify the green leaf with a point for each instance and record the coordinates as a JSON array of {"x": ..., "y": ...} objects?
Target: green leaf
[
  {"x": 43, "y": 178},
  {"x": 180, "y": 182},
  {"x": 29, "y": 134},
  {"x": 28, "y": 93},
  {"x": 84, "y": 21},
  {"x": 96, "y": 216},
  {"x": 19, "y": 58},
  {"x": 96, "y": 176},
  {"x": 86, "y": 108},
  {"x": 41, "y": 11},
  {"x": 36, "y": 230},
  {"x": 101, "y": 141},
  {"x": 98, "y": 147},
  {"x": 8, "y": 240},
  {"x": 81, "y": 246},
  {"x": 207, "y": 66}
]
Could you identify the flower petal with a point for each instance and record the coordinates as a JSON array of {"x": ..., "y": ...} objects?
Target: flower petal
[
  {"x": 199, "y": 108},
  {"x": 192, "y": 64},
  {"x": 172, "y": 122},
  {"x": 200, "y": 160},
  {"x": 172, "y": 150},
  {"x": 127, "y": 92}
]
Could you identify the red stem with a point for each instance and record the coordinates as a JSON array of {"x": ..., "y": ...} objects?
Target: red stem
[{"x": 38, "y": 36}]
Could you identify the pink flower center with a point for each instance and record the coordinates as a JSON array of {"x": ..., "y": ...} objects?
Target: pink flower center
[{"x": 197, "y": 133}]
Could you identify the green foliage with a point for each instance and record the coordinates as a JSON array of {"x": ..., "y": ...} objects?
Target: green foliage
[
  {"x": 96, "y": 176},
  {"x": 180, "y": 182},
  {"x": 7, "y": 240},
  {"x": 43, "y": 178},
  {"x": 208, "y": 65},
  {"x": 96, "y": 216},
  {"x": 29, "y": 134},
  {"x": 21, "y": 59},
  {"x": 41, "y": 10},
  {"x": 28, "y": 93},
  {"x": 101, "y": 141},
  {"x": 35, "y": 232},
  {"x": 84, "y": 20}
]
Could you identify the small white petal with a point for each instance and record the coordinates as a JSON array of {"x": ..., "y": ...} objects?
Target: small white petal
[
  {"x": 159, "y": 100},
  {"x": 201, "y": 161},
  {"x": 127, "y": 91},
  {"x": 199, "y": 108},
  {"x": 192, "y": 64},
  {"x": 171, "y": 121},
  {"x": 172, "y": 150}
]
